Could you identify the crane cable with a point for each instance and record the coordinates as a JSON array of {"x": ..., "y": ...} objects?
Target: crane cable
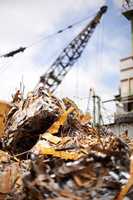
[
  {"x": 22, "y": 49},
  {"x": 99, "y": 48}
]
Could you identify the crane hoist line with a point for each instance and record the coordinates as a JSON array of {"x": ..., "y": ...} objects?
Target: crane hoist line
[{"x": 69, "y": 56}]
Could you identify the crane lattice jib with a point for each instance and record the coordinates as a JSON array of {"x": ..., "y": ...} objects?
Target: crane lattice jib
[{"x": 55, "y": 74}]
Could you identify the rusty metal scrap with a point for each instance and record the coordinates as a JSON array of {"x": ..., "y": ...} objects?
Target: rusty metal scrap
[
  {"x": 10, "y": 175},
  {"x": 51, "y": 151},
  {"x": 56, "y": 125},
  {"x": 32, "y": 117},
  {"x": 4, "y": 109},
  {"x": 129, "y": 184}
]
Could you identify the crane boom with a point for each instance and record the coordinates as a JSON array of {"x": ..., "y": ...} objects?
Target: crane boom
[{"x": 55, "y": 74}]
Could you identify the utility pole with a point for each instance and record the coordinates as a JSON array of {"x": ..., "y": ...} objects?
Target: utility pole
[
  {"x": 94, "y": 108},
  {"x": 89, "y": 99},
  {"x": 97, "y": 116},
  {"x": 99, "y": 109}
]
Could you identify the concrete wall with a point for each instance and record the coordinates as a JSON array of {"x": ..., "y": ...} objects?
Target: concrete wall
[
  {"x": 120, "y": 128},
  {"x": 126, "y": 76}
]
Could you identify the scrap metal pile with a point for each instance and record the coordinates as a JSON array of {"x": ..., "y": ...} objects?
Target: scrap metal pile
[{"x": 50, "y": 150}]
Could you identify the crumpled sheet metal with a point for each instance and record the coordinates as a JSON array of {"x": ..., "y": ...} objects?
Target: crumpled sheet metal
[
  {"x": 60, "y": 122},
  {"x": 4, "y": 109},
  {"x": 91, "y": 177},
  {"x": 32, "y": 117},
  {"x": 82, "y": 140},
  {"x": 41, "y": 149},
  {"x": 67, "y": 158},
  {"x": 107, "y": 153},
  {"x": 129, "y": 184},
  {"x": 10, "y": 175}
]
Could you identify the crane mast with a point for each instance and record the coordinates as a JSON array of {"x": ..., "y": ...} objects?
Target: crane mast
[{"x": 55, "y": 74}]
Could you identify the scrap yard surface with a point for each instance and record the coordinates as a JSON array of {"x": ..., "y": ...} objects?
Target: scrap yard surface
[
  {"x": 50, "y": 149},
  {"x": 55, "y": 153}
]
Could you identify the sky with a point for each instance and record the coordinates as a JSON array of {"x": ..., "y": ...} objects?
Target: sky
[{"x": 23, "y": 22}]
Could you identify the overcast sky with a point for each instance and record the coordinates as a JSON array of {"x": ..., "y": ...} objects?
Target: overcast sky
[{"x": 25, "y": 21}]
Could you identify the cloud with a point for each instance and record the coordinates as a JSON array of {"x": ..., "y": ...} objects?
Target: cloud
[
  {"x": 23, "y": 22},
  {"x": 118, "y": 3}
]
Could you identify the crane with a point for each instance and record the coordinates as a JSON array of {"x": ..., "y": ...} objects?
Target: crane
[
  {"x": 69, "y": 56},
  {"x": 55, "y": 74}
]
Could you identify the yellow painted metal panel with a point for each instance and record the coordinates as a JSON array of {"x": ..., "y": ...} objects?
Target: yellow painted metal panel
[{"x": 4, "y": 109}]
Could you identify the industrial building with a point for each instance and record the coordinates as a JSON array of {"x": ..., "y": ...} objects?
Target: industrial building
[{"x": 123, "y": 118}]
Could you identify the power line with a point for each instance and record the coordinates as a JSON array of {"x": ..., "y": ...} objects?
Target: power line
[{"x": 60, "y": 31}]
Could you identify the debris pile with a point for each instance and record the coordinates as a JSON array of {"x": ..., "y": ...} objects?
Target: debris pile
[{"x": 50, "y": 150}]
